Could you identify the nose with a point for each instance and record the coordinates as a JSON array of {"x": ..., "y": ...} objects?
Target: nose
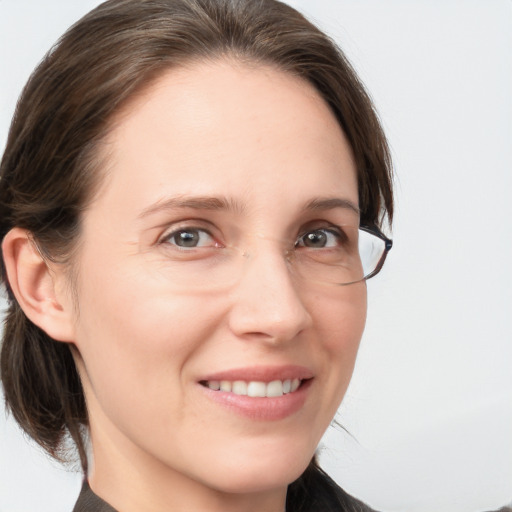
[{"x": 266, "y": 301}]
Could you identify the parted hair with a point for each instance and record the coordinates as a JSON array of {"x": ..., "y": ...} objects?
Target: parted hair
[{"x": 50, "y": 169}]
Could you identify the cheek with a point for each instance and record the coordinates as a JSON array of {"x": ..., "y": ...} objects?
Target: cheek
[
  {"x": 135, "y": 339},
  {"x": 341, "y": 319},
  {"x": 340, "y": 324}
]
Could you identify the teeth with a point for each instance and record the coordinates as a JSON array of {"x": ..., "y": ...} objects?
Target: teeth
[
  {"x": 275, "y": 388},
  {"x": 225, "y": 385},
  {"x": 214, "y": 384},
  {"x": 256, "y": 388},
  {"x": 240, "y": 387}
]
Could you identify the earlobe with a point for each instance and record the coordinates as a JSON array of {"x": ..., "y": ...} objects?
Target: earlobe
[{"x": 34, "y": 283}]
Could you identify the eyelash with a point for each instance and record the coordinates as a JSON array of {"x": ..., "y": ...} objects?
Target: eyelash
[
  {"x": 301, "y": 241},
  {"x": 166, "y": 239},
  {"x": 335, "y": 231}
]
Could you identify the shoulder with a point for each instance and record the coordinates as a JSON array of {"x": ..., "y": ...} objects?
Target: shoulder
[
  {"x": 89, "y": 502},
  {"x": 315, "y": 490}
]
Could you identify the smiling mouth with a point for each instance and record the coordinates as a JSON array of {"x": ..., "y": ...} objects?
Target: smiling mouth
[{"x": 255, "y": 389}]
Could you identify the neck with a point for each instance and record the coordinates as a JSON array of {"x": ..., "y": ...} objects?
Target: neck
[
  {"x": 131, "y": 481},
  {"x": 131, "y": 492}
]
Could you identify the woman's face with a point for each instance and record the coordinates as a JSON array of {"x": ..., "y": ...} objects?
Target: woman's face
[{"x": 209, "y": 157}]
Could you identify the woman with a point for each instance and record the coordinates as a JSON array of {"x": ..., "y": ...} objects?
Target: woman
[{"x": 189, "y": 200}]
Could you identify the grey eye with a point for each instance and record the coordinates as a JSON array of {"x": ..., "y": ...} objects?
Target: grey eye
[
  {"x": 191, "y": 238},
  {"x": 319, "y": 239}
]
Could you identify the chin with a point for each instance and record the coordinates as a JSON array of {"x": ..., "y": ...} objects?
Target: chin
[{"x": 257, "y": 475}]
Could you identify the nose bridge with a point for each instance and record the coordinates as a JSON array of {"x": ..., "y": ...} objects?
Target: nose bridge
[
  {"x": 265, "y": 257},
  {"x": 267, "y": 300},
  {"x": 259, "y": 246}
]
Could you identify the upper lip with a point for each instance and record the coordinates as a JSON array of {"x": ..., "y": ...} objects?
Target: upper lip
[{"x": 261, "y": 373}]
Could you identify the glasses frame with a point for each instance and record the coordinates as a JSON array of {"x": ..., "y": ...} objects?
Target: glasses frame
[{"x": 388, "y": 244}]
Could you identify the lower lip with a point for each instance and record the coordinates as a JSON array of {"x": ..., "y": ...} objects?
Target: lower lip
[{"x": 259, "y": 408}]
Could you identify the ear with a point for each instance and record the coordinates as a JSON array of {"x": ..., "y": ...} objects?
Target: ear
[{"x": 39, "y": 287}]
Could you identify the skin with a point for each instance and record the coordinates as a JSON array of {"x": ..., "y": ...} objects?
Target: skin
[{"x": 267, "y": 142}]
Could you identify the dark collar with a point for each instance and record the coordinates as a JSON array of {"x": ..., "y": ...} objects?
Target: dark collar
[{"x": 89, "y": 502}]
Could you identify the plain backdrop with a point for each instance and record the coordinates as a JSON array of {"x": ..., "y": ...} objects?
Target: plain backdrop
[{"x": 430, "y": 406}]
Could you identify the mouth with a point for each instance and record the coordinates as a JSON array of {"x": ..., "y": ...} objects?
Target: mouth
[
  {"x": 260, "y": 393},
  {"x": 255, "y": 389}
]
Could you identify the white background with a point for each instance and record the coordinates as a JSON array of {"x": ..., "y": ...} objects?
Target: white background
[{"x": 430, "y": 405}]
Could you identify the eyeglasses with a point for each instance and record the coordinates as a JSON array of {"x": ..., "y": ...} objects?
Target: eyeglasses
[
  {"x": 325, "y": 255},
  {"x": 373, "y": 249},
  {"x": 358, "y": 256}
]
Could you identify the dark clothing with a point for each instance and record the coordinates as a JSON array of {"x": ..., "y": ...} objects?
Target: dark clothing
[{"x": 89, "y": 502}]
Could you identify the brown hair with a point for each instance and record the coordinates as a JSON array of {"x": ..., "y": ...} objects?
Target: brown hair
[{"x": 49, "y": 172}]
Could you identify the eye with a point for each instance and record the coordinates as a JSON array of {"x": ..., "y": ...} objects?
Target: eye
[
  {"x": 190, "y": 238},
  {"x": 321, "y": 238}
]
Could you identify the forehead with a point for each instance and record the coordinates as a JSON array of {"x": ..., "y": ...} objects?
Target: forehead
[{"x": 226, "y": 126}]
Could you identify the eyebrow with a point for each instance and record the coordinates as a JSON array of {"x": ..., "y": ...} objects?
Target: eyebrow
[
  {"x": 215, "y": 203},
  {"x": 330, "y": 203},
  {"x": 209, "y": 203}
]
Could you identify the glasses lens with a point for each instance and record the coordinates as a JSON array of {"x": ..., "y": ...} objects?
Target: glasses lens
[
  {"x": 348, "y": 256},
  {"x": 340, "y": 256},
  {"x": 371, "y": 250}
]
